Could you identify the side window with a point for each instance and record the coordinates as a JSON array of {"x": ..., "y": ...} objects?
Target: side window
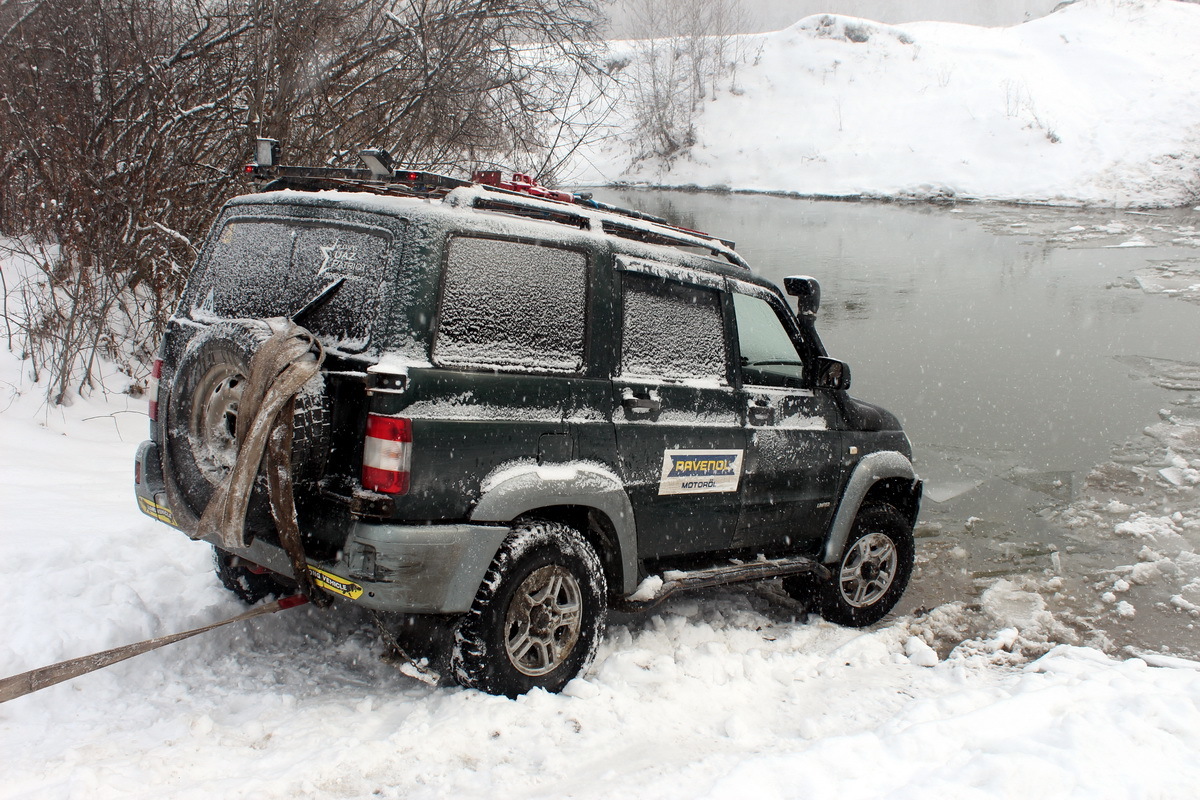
[
  {"x": 512, "y": 306},
  {"x": 768, "y": 354},
  {"x": 671, "y": 331}
]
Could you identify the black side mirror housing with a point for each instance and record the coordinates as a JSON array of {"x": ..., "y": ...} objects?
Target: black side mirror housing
[
  {"x": 832, "y": 374},
  {"x": 807, "y": 292}
]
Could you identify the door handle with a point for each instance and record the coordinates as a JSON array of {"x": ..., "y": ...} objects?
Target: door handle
[
  {"x": 761, "y": 415},
  {"x": 645, "y": 401}
]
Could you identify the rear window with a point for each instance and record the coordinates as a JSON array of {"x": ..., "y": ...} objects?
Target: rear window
[{"x": 260, "y": 268}]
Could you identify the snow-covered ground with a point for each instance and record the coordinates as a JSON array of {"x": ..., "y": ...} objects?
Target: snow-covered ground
[
  {"x": 722, "y": 694},
  {"x": 1093, "y": 104},
  {"x": 731, "y": 693}
]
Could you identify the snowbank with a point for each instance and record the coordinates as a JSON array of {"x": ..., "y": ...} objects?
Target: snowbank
[
  {"x": 1093, "y": 104},
  {"x": 720, "y": 694}
]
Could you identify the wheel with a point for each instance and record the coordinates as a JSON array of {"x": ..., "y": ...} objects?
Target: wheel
[
  {"x": 250, "y": 587},
  {"x": 873, "y": 572},
  {"x": 538, "y": 616},
  {"x": 201, "y": 421}
]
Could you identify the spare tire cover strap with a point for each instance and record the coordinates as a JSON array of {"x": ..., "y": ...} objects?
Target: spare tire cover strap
[{"x": 282, "y": 366}]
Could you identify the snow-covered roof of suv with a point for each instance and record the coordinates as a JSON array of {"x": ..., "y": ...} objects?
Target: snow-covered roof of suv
[{"x": 521, "y": 197}]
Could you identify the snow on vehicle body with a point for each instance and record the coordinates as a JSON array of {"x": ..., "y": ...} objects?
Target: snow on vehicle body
[{"x": 523, "y": 408}]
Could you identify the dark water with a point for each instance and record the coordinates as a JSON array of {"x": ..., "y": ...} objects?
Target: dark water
[
  {"x": 1007, "y": 339},
  {"x": 985, "y": 340}
]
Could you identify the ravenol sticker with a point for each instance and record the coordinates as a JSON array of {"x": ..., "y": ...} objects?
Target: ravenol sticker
[
  {"x": 700, "y": 471},
  {"x": 332, "y": 583}
]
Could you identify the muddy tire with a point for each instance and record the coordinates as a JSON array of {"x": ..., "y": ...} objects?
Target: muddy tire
[
  {"x": 538, "y": 616},
  {"x": 247, "y": 585},
  {"x": 202, "y": 417},
  {"x": 872, "y": 573}
]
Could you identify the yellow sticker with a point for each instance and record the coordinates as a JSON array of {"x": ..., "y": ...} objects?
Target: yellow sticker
[
  {"x": 160, "y": 513},
  {"x": 332, "y": 583}
]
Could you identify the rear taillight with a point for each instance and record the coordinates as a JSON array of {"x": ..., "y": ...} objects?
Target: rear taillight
[
  {"x": 387, "y": 454},
  {"x": 152, "y": 389}
]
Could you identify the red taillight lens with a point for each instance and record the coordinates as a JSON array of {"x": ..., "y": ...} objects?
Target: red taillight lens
[
  {"x": 387, "y": 454},
  {"x": 152, "y": 389}
]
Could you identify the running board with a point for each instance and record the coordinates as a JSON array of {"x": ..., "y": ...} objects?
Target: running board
[{"x": 674, "y": 580}]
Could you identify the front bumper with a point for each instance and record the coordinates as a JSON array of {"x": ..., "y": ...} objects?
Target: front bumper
[{"x": 427, "y": 569}]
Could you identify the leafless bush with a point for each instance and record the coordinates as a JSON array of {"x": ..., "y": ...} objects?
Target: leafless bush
[
  {"x": 123, "y": 120},
  {"x": 686, "y": 51}
]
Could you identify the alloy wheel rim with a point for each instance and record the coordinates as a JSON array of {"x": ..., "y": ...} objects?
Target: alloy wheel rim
[
  {"x": 544, "y": 620},
  {"x": 868, "y": 570}
]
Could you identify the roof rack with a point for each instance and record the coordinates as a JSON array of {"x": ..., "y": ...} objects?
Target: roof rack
[{"x": 520, "y": 195}]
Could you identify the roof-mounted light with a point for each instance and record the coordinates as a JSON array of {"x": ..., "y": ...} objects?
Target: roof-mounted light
[
  {"x": 378, "y": 161},
  {"x": 266, "y": 152},
  {"x": 521, "y": 183}
]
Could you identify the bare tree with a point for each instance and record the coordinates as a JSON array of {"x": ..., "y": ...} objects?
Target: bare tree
[
  {"x": 123, "y": 121},
  {"x": 685, "y": 52}
]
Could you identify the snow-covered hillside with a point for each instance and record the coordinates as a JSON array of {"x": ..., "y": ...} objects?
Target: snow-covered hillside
[{"x": 1093, "y": 104}]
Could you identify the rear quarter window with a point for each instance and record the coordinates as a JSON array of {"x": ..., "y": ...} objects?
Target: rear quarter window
[{"x": 510, "y": 305}]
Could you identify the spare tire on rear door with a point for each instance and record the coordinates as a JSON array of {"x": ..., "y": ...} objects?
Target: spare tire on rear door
[{"x": 201, "y": 421}]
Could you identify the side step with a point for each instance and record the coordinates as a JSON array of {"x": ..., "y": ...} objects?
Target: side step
[{"x": 649, "y": 595}]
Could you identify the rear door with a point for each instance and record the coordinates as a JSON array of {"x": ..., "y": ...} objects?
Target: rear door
[
  {"x": 677, "y": 416},
  {"x": 509, "y": 350}
]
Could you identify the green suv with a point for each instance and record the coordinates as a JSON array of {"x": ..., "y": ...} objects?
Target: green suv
[{"x": 506, "y": 410}]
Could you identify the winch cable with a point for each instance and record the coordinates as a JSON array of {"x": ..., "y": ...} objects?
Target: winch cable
[
  {"x": 280, "y": 368},
  {"x": 40, "y": 678}
]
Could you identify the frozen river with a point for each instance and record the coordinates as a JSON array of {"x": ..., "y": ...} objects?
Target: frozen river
[{"x": 1023, "y": 348}]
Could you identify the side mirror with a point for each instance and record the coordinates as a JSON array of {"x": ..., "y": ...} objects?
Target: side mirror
[
  {"x": 832, "y": 374},
  {"x": 807, "y": 292}
]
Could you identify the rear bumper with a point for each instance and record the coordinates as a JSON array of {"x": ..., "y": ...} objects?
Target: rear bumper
[
  {"x": 427, "y": 569},
  {"x": 148, "y": 485}
]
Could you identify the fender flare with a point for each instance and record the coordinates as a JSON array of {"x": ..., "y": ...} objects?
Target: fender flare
[
  {"x": 513, "y": 490},
  {"x": 871, "y": 469}
]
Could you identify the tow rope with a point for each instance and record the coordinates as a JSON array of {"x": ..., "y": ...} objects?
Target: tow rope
[{"x": 40, "y": 678}]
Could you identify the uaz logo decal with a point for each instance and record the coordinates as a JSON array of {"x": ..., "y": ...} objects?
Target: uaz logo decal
[{"x": 700, "y": 471}]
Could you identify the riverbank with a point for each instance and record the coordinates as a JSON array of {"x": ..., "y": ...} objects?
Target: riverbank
[{"x": 1092, "y": 105}]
